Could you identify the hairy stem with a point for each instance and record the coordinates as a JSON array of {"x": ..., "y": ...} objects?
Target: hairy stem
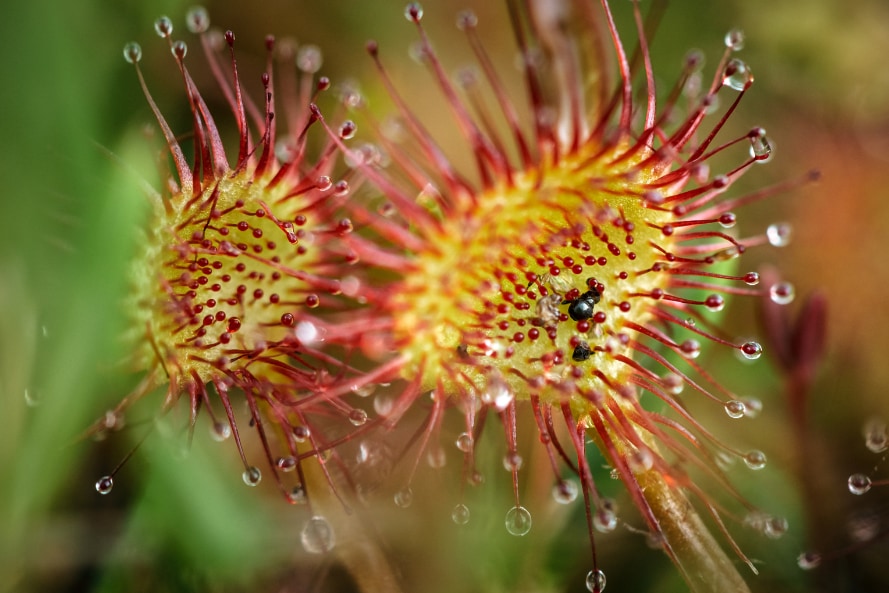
[{"x": 703, "y": 563}]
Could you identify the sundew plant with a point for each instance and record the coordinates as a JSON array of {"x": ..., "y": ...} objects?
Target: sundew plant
[{"x": 346, "y": 294}]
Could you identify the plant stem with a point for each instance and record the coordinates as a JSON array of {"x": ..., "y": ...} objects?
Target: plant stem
[{"x": 703, "y": 563}]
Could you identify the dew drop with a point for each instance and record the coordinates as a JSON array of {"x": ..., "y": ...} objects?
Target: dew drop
[
  {"x": 163, "y": 26},
  {"x": 735, "y": 409},
  {"x": 875, "y": 438},
  {"x": 413, "y": 12},
  {"x": 512, "y": 461},
  {"x": 782, "y": 293},
  {"x": 755, "y": 459},
  {"x": 808, "y": 560},
  {"x": 595, "y": 581},
  {"x": 306, "y": 332},
  {"x": 132, "y": 52},
  {"x": 775, "y": 527},
  {"x": 711, "y": 103},
  {"x": 751, "y": 278},
  {"x": 383, "y": 404},
  {"x": 737, "y": 75},
  {"x": 641, "y": 460},
  {"x": 760, "y": 147},
  {"x": 565, "y": 491},
  {"x": 498, "y": 393},
  {"x": 466, "y": 20},
  {"x": 357, "y": 417},
  {"x": 403, "y": 498},
  {"x": 252, "y": 476},
  {"x": 464, "y": 442},
  {"x": 751, "y": 350},
  {"x": 673, "y": 383},
  {"x": 779, "y": 234},
  {"x": 179, "y": 49},
  {"x": 734, "y": 40},
  {"x": 859, "y": 484},
  {"x": 653, "y": 197},
  {"x": 301, "y": 433},
  {"x": 317, "y": 536},
  {"x": 309, "y": 59},
  {"x": 518, "y": 521},
  {"x": 752, "y": 406},
  {"x": 286, "y": 464},
  {"x": 436, "y": 457},
  {"x": 690, "y": 348},
  {"x": 728, "y": 220},
  {"x": 104, "y": 484},
  {"x": 348, "y": 129},
  {"x": 605, "y": 521},
  {"x": 297, "y": 495},
  {"x": 30, "y": 399},
  {"x": 714, "y": 303},
  {"x": 219, "y": 431},
  {"x": 197, "y": 19},
  {"x": 460, "y": 514},
  {"x": 363, "y": 390},
  {"x": 757, "y": 520}
]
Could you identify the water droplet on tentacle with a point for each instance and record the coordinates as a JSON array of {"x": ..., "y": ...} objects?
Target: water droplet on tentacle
[
  {"x": 808, "y": 560},
  {"x": 104, "y": 484},
  {"x": 132, "y": 52},
  {"x": 219, "y": 431},
  {"x": 403, "y": 498},
  {"x": 751, "y": 350},
  {"x": 595, "y": 581},
  {"x": 760, "y": 147},
  {"x": 460, "y": 514},
  {"x": 734, "y": 40},
  {"x": 512, "y": 461},
  {"x": 163, "y": 26},
  {"x": 859, "y": 484},
  {"x": 875, "y": 437},
  {"x": 737, "y": 75},
  {"x": 464, "y": 442},
  {"x": 735, "y": 409},
  {"x": 317, "y": 536},
  {"x": 252, "y": 476},
  {"x": 782, "y": 293},
  {"x": 779, "y": 234},
  {"x": 413, "y": 12},
  {"x": 357, "y": 417},
  {"x": 565, "y": 492},
  {"x": 775, "y": 527},
  {"x": 297, "y": 495},
  {"x": 518, "y": 521},
  {"x": 286, "y": 464},
  {"x": 605, "y": 520},
  {"x": 755, "y": 459},
  {"x": 197, "y": 20}
]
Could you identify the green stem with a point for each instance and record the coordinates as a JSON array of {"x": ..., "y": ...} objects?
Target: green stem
[{"x": 701, "y": 560}]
